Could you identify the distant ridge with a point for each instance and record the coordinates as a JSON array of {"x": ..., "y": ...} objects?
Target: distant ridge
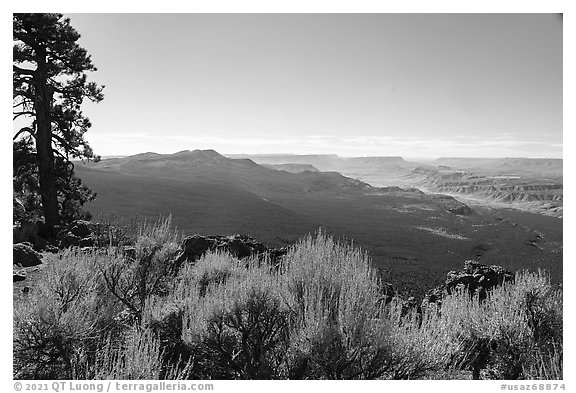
[
  {"x": 209, "y": 166},
  {"x": 548, "y": 166},
  {"x": 294, "y": 168},
  {"x": 406, "y": 232}
]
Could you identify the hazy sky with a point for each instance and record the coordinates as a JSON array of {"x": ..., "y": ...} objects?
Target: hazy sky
[{"x": 414, "y": 85}]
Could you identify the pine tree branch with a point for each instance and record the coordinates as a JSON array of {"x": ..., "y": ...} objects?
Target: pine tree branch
[
  {"x": 25, "y": 38},
  {"x": 23, "y": 93},
  {"x": 23, "y": 130},
  {"x": 62, "y": 142},
  {"x": 23, "y": 113},
  {"x": 23, "y": 71},
  {"x": 24, "y": 103},
  {"x": 85, "y": 65}
]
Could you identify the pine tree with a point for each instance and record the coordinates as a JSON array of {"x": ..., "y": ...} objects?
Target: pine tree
[{"x": 50, "y": 83}]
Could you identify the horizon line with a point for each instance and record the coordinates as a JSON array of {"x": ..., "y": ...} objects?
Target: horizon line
[{"x": 335, "y": 155}]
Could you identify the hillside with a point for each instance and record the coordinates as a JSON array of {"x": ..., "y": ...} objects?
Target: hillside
[
  {"x": 410, "y": 236},
  {"x": 293, "y": 168},
  {"x": 530, "y": 184},
  {"x": 539, "y": 167},
  {"x": 527, "y": 184},
  {"x": 209, "y": 166},
  {"x": 379, "y": 171}
]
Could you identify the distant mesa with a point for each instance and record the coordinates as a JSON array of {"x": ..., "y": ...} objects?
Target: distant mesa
[
  {"x": 398, "y": 190},
  {"x": 547, "y": 165},
  {"x": 536, "y": 184},
  {"x": 208, "y": 166},
  {"x": 141, "y": 156},
  {"x": 195, "y": 154},
  {"x": 524, "y": 183},
  {"x": 292, "y": 168}
]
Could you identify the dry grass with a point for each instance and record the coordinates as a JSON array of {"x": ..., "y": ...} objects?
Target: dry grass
[
  {"x": 515, "y": 334},
  {"x": 105, "y": 314}
]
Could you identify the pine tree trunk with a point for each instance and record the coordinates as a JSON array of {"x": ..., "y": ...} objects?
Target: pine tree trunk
[{"x": 46, "y": 177}]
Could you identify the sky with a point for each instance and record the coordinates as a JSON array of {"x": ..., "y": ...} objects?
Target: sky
[{"x": 411, "y": 85}]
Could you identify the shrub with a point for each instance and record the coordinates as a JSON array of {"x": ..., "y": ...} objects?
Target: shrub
[
  {"x": 134, "y": 279},
  {"x": 413, "y": 346},
  {"x": 164, "y": 318},
  {"x": 239, "y": 329},
  {"x": 136, "y": 355},
  {"x": 319, "y": 315},
  {"x": 339, "y": 330},
  {"x": 65, "y": 314},
  {"x": 60, "y": 325},
  {"x": 110, "y": 232},
  {"x": 508, "y": 334},
  {"x": 211, "y": 270}
]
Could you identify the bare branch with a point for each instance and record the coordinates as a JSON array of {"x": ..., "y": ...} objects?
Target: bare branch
[
  {"x": 24, "y": 71},
  {"x": 112, "y": 282},
  {"x": 25, "y": 102},
  {"x": 23, "y": 130},
  {"x": 57, "y": 152},
  {"x": 62, "y": 142},
  {"x": 23, "y": 93},
  {"x": 24, "y": 113}
]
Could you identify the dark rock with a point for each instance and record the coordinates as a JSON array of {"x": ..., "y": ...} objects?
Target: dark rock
[
  {"x": 450, "y": 204},
  {"x": 29, "y": 231},
  {"x": 242, "y": 246},
  {"x": 488, "y": 276},
  {"x": 79, "y": 233},
  {"x": 462, "y": 210},
  {"x": 51, "y": 248},
  {"x": 239, "y": 246},
  {"x": 86, "y": 242},
  {"x": 25, "y": 256},
  {"x": 69, "y": 240},
  {"x": 193, "y": 247},
  {"x": 81, "y": 228},
  {"x": 19, "y": 275},
  {"x": 476, "y": 278}
]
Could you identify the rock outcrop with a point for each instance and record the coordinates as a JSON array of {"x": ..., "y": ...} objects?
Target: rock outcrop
[
  {"x": 450, "y": 204},
  {"x": 25, "y": 256},
  {"x": 33, "y": 232},
  {"x": 18, "y": 275},
  {"x": 79, "y": 233},
  {"x": 476, "y": 278},
  {"x": 239, "y": 246},
  {"x": 529, "y": 189}
]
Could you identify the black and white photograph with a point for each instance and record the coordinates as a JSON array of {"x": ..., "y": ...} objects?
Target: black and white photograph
[{"x": 287, "y": 196}]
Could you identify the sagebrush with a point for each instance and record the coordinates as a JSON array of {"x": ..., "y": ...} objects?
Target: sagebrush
[{"x": 108, "y": 313}]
